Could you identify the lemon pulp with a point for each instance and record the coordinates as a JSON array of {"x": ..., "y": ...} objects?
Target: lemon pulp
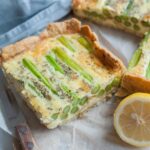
[{"x": 132, "y": 119}]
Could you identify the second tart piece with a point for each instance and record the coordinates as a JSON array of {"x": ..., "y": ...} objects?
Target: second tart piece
[{"x": 137, "y": 78}]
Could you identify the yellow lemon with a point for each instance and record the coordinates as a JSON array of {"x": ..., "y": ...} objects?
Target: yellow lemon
[{"x": 132, "y": 119}]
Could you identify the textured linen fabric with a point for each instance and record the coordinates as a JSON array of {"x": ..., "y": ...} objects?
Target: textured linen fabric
[{"x": 21, "y": 18}]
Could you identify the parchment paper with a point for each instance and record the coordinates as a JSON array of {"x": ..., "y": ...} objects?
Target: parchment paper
[{"x": 94, "y": 131}]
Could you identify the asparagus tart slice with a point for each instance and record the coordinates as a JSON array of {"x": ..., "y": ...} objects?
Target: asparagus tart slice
[{"x": 62, "y": 72}]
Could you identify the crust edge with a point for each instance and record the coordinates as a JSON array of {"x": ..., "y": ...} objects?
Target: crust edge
[{"x": 133, "y": 83}]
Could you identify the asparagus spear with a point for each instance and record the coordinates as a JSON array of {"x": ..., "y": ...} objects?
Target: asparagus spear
[
  {"x": 118, "y": 18},
  {"x": 66, "y": 109},
  {"x": 137, "y": 55},
  {"x": 83, "y": 101},
  {"x": 134, "y": 20},
  {"x": 101, "y": 92},
  {"x": 53, "y": 62},
  {"x": 94, "y": 14},
  {"x": 71, "y": 63},
  {"x": 33, "y": 69},
  {"x": 84, "y": 42},
  {"x": 74, "y": 109},
  {"x": 55, "y": 116},
  {"x": 107, "y": 13},
  {"x": 145, "y": 40},
  {"x": 114, "y": 83},
  {"x": 63, "y": 116},
  {"x": 69, "y": 92},
  {"x": 135, "y": 58},
  {"x": 32, "y": 87},
  {"x": 145, "y": 23},
  {"x": 148, "y": 71},
  {"x": 76, "y": 99},
  {"x": 108, "y": 87},
  {"x": 96, "y": 89},
  {"x": 130, "y": 4},
  {"x": 66, "y": 42}
]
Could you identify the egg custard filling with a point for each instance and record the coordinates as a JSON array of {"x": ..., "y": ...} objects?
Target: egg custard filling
[{"x": 129, "y": 15}]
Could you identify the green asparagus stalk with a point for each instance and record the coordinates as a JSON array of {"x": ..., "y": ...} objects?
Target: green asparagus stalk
[
  {"x": 118, "y": 19},
  {"x": 66, "y": 109},
  {"x": 65, "y": 112},
  {"x": 148, "y": 71},
  {"x": 76, "y": 99},
  {"x": 55, "y": 116},
  {"x": 54, "y": 63},
  {"x": 145, "y": 23},
  {"x": 71, "y": 63},
  {"x": 33, "y": 69},
  {"x": 145, "y": 40},
  {"x": 114, "y": 83},
  {"x": 101, "y": 92},
  {"x": 67, "y": 43},
  {"x": 69, "y": 92},
  {"x": 135, "y": 58},
  {"x": 108, "y": 87},
  {"x": 129, "y": 7},
  {"x": 96, "y": 89},
  {"x": 73, "y": 95},
  {"x": 32, "y": 87},
  {"x": 83, "y": 101},
  {"x": 63, "y": 116},
  {"x": 137, "y": 55},
  {"x": 107, "y": 13},
  {"x": 134, "y": 20},
  {"x": 74, "y": 109},
  {"x": 94, "y": 14},
  {"x": 84, "y": 42}
]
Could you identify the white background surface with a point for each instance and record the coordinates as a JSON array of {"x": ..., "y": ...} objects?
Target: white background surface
[{"x": 95, "y": 130}]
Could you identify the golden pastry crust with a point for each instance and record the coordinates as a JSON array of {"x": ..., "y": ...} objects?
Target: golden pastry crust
[
  {"x": 17, "y": 48},
  {"x": 66, "y": 27},
  {"x": 80, "y": 4},
  {"x": 133, "y": 83}
]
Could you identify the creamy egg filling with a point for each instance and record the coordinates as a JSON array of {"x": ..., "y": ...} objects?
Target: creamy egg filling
[{"x": 62, "y": 74}]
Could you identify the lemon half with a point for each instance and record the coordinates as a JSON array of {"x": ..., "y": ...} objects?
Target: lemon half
[{"x": 132, "y": 119}]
